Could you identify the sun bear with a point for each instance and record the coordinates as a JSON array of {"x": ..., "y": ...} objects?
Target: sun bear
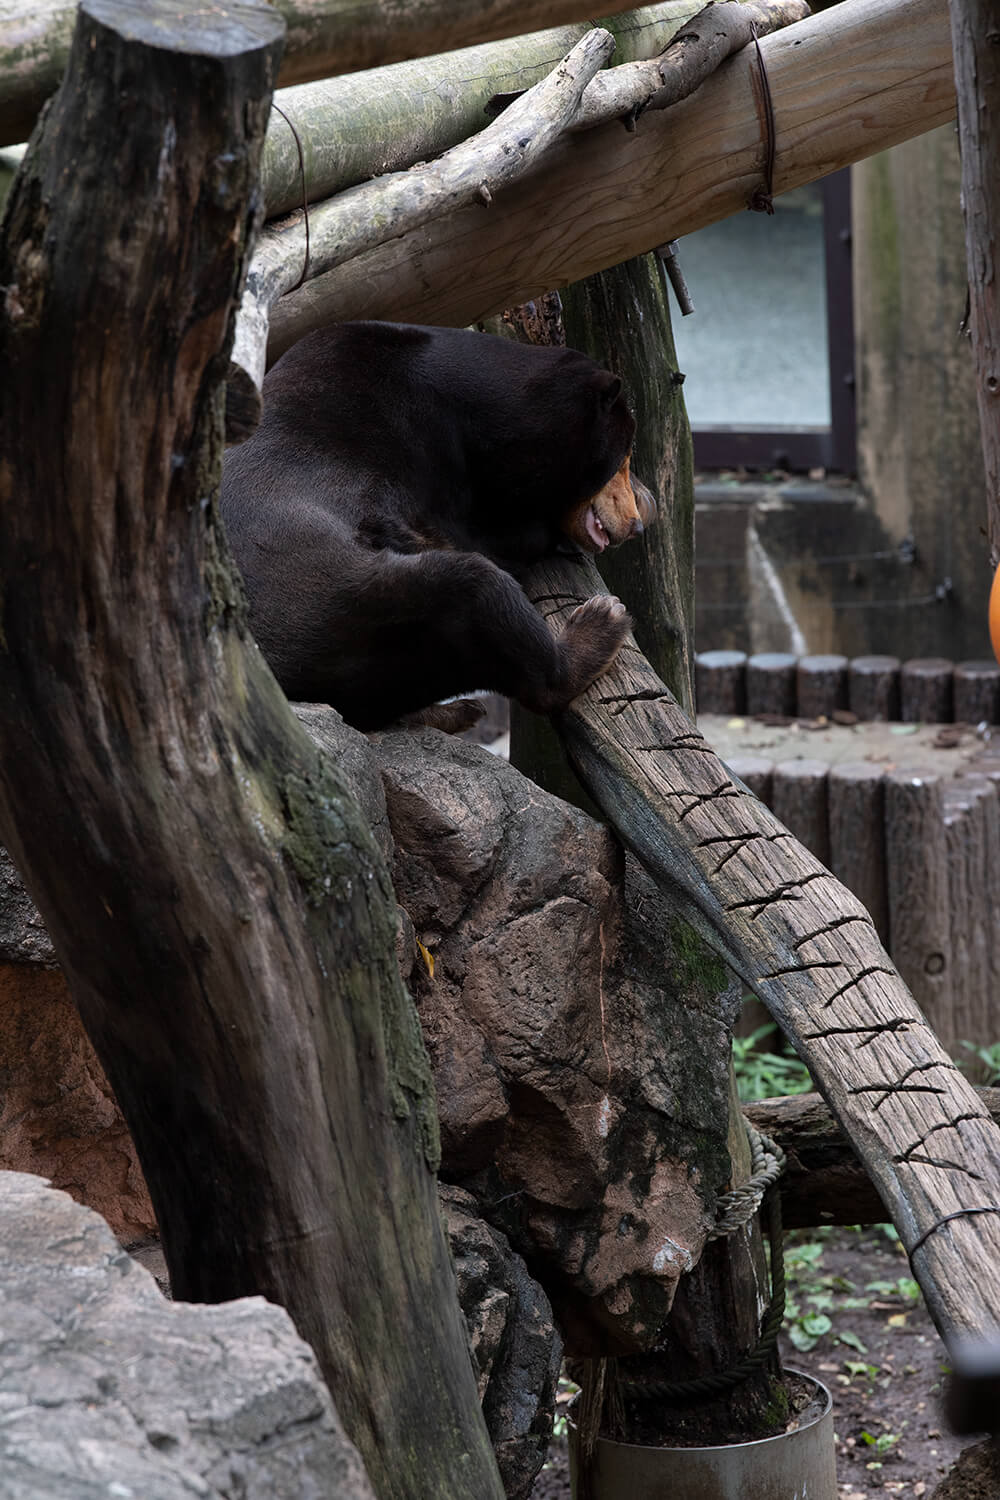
[{"x": 400, "y": 480}]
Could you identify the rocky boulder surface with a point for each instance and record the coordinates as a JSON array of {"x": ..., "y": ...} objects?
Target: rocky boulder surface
[{"x": 109, "y": 1390}]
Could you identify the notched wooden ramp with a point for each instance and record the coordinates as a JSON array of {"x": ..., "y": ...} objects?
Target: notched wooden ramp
[{"x": 808, "y": 948}]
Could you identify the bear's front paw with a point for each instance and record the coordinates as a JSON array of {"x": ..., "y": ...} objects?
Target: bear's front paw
[{"x": 591, "y": 640}]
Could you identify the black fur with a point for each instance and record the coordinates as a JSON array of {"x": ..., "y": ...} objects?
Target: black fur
[{"x": 399, "y": 480}]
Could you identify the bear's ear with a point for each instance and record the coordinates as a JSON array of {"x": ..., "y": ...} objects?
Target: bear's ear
[{"x": 610, "y": 388}]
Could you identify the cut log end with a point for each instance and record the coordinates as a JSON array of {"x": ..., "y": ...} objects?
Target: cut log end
[{"x": 177, "y": 26}]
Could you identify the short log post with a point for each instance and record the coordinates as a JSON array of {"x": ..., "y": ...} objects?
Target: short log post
[
  {"x": 821, "y": 686},
  {"x": 771, "y": 683},
  {"x": 755, "y": 772},
  {"x": 976, "y": 687},
  {"x": 970, "y": 832},
  {"x": 873, "y": 687},
  {"x": 917, "y": 882},
  {"x": 856, "y": 800},
  {"x": 799, "y": 800},
  {"x": 720, "y": 682},
  {"x": 926, "y": 691}
]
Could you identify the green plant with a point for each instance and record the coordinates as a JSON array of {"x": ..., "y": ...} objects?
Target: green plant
[
  {"x": 763, "y": 1075},
  {"x": 903, "y": 1287},
  {"x": 883, "y": 1444},
  {"x": 566, "y": 1393},
  {"x": 988, "y": 1056}
]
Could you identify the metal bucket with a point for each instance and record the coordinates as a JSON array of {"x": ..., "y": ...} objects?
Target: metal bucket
[{"x": 797, "y": 1465}]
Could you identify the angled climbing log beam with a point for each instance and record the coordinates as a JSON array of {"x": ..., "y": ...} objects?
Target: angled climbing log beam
[
  {"x": 809, "y": 951},
  {"x": 846, "y": 83}
]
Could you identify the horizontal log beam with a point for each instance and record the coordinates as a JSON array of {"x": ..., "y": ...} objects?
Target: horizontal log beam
[
  {"x": 577, "y": 94},
  {"x": 362, "y": 125},
  {"x": 846, "y": 83},
  {"x": 386, "y": 208},
  {"x": 824, "y": 1182},
  {"x": 325, "y": 37}
]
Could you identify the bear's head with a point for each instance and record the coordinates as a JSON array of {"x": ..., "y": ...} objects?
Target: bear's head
[{"x": 621, "y": 509}]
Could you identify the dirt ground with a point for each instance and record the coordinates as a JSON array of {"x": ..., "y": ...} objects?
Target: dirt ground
[{"x": 880, "y": 1356}]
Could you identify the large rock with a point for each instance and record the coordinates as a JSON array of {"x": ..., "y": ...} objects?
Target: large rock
[
  {"x": 58, "y": 1115},
  {"x": 107, "y": 1389},
  {"x": 24, "y": 938},
  {"x": 578, "y": 1039},
  {"x": 577, "y": 1034},
  {"x": 515, "y": 1347}
]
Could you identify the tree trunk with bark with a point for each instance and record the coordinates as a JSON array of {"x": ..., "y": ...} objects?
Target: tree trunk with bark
[
  {"x": 975, "y": 33},
  {"x": 216, "y": 899},
  {"x": 621, "y": 318}
]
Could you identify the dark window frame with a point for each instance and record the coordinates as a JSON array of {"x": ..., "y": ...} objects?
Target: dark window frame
[{"x": 804, "y": 448}]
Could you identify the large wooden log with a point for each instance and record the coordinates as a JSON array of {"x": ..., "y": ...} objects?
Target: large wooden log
[
  {"x": 360, "y": 125},
  {"x": 396, "y": 204},
  {"x": 975, "y": 31},
  {"x": 808, "y": 949},
  {"x": 215, "y": 896},
  {"x": 823, "y": 1181},
  {"x": 389, "y": 207},
  {"x": 324, "y": 37},
  {"x": 848, "y": 82}
]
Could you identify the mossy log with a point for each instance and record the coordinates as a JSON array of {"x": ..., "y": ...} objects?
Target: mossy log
[
  {"x": 324, "y": 37},
  {"x": 216, "y": 899},
  {"x": 360, "y": 125}
]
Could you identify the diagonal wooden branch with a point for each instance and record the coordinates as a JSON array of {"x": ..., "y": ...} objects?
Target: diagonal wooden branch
[
  {"x": 367, "y": 216},
  {"x": 809, "y": 950},
  {"x": 714, "y": 34},
  {"x": 361, "y": 125}
]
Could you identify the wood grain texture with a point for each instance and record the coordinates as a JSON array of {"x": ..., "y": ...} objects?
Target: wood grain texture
[
  {"x": 925, "y": 690},
  {"x": 873, "y": 687},
  {"x": 824, "y": 1182},
  {"x": 856, "y": 811},
  {"x": 214, "y": 894},
  {"x": 361, "y": 125},
  {"x": 975, "y": 31},
  {"x": 324, "y": 37},
  {"x": 798, "y": 799},
  {"x": 848, "y": 82},
  {"x": 809, "y": 950},
  {"x": 771, "y": 683}
]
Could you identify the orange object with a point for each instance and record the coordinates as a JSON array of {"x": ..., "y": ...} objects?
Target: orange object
[{"x": 995, "y": 614}]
